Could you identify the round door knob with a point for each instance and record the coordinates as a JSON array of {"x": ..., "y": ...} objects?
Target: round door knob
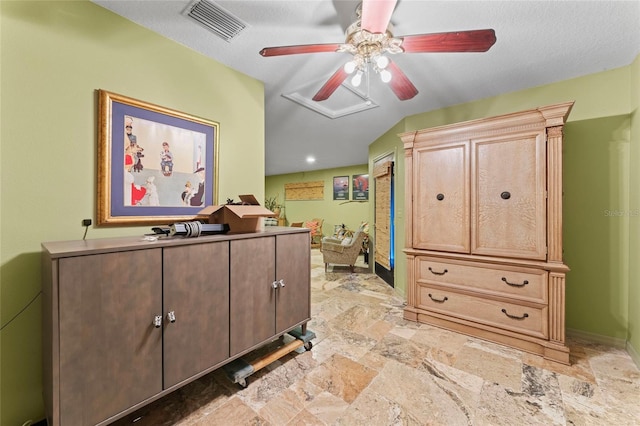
[
  {"x": 274, "y": 284},
  {"x": 440, "y": 197},
  {"x": 171, "y": 316},
  {"x": 281, "y": 282},
  {"x": 157, "y": 321},
  {"x": 505, "y": 195}
]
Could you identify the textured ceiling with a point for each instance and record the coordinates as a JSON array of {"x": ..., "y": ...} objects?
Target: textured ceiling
[{"x": 538, "y": 42}]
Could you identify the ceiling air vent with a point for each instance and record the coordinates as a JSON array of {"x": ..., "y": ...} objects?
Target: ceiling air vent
[{"x": 215, "y": 19}]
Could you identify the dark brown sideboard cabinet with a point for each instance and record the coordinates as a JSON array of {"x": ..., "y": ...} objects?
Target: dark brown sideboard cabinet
[{"x": 127, "y": 321}]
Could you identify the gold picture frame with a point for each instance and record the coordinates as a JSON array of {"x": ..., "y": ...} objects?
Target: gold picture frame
[{"x": 156, "y": 165}]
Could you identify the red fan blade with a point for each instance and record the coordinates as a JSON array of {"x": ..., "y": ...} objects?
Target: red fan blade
[
  {"x": 331, "y": 85},
  {"x": 376, "y": 14},
  {"x": 400, "y": 84},
  {"x": 302, "y": 48},
  {"x": 459, "y": 41}
]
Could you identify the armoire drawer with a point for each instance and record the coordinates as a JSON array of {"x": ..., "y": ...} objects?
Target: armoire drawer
[
  {"x": 516, "y": 282},
  {"x": 509, "y": 316}
]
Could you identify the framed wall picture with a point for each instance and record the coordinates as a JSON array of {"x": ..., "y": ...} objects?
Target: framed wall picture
[
  {"x": 360, "y": 187},
  {"x": 155, "y": 165},
  {"x": 341, "y": 188}
]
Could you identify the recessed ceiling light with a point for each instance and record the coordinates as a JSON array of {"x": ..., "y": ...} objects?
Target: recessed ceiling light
[{"x": 311, "y": 159}]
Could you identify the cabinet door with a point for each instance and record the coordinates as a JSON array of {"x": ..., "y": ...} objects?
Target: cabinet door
[
  {"x": 293, "y": 264},
  {"x": 441, "y": 198},
  {"x": 110, "y": 352},
  {"x": 252, "y": 296},
  {"x": 509, "y": 196},
  {"x": 196, "y": 292}
]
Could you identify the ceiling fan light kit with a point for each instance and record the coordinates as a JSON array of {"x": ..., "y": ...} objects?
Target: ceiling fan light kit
[
  {"x": 370, "y": 40},
  {"x": 368, "y": 51}
]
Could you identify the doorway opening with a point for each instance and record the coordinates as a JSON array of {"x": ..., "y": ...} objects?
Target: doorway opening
[{"x": 384, "y": 220}]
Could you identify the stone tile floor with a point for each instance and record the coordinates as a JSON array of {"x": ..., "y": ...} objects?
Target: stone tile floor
[{"x": 369, "y": 366}]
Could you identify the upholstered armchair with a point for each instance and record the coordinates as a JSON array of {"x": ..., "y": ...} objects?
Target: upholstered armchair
[{"x": 342, "y": 252}]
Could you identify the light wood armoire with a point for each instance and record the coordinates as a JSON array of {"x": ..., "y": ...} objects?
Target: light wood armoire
[{"x": 484, "y": 229}]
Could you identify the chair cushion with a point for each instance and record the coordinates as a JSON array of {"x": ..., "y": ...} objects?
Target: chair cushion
[
  {"x": 313, "y": 225},
  {"x": 331, "y": 240},
  {"x": 337, "y": 248},
  {"x": 347, "y": 241}
]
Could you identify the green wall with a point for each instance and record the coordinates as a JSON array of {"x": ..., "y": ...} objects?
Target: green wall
[
  {"x": 54, "y": 56},
  {"x": 351, "y": 213},
  {"x": 596, "y": 225},
  {"x": 634, "y": 205},
  {"x": 602, "y": 193}
]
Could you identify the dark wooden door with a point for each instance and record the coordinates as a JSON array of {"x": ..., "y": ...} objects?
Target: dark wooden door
[
  {"x": 196, "y": 299},
  {"x": 110, "y": 352},
  {"x": 293, "y": 260},
  {"x": 252, "y": 292}
]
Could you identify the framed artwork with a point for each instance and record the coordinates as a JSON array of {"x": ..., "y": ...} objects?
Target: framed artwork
[
  {"x": 360, "y": 188},
  {"x": 341, "y": 188},
  {"x": 155, "y": 165}
]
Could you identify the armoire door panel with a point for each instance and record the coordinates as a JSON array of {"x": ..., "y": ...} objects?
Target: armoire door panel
[
  {"x": 441, "y": 199},
  {"x": 508, "y": 202}
]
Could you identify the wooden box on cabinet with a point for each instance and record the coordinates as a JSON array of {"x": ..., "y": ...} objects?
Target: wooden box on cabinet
[
  {"x": 484, "y": 228},
  {"x": 126, "y": 321}
]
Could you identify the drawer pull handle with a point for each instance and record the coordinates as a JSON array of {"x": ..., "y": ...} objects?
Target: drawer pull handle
[
  {"x": 439, "y": 300},
  {"x": 505, "y": 195},
  {"x": 525, "y": 282},
  {"x": 440, "y": 197},
  {"x": 437, "y": 273},
  {"x": 525, "y": 315}
]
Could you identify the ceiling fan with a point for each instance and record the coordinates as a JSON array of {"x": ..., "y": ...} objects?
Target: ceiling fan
[{"x": 369, "y": 39}]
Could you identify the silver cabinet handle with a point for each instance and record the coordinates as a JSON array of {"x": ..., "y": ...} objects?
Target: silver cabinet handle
[
  {"x": 274, "y": 284},
  {"x": 171, "y": 316},
  {"x": 281, "y": 282},
  {"x": 157, "y": 321}
]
